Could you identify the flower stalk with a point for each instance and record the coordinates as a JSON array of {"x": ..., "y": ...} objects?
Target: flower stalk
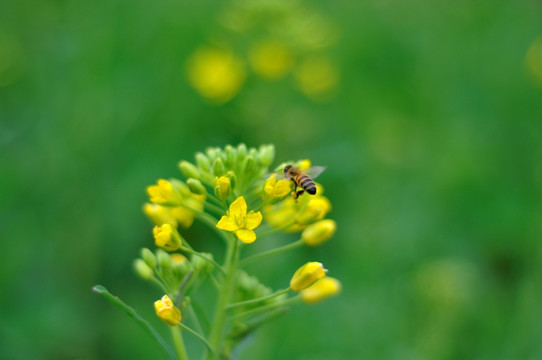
[{"x": 226, "y": 191}]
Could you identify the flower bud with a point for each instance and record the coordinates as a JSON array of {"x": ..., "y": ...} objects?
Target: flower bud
[
  {"x": 218, "y": 167},
  {"x": 167, "y": 312},
  {"x": 266, "y": 155},
  {"x": 143, "y": 270},
  {"x": 163, "y": 259},
  {"x": 201, "y": 265},
  {"x": 203, "y": 162},
  {"x": 241, "y": 152},
  {"x": 229, "y": 156},
  {"x": 223, "y": 187},
  {"x": 196, "y": 186},
  {"x": 149, "y": 257},
  {"x": 306, "y": 275},
  {"x": 189, "y": 170},
  {"x": 167, "y": 237},
  {"x": 180, "y": 265},
  {"x": 321, "y": 290},
  {"x": 320, "y": 231},
  {"x": 248, "y": 164}
]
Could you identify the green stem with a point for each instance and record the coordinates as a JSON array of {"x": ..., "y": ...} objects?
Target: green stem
[
  {"x": 219, "y": 322},
  {"x": 263, "y": 298},
  {"x": 216, "y": 209},
  {"x": 190, "y": 251},
  {"x": 267, "y": 307},
  {"x": 275, "y": 251},
  {"x": 275, "y": 230},
  {"x": 200, "y": 337},
  {"x": 99, "y": 289},
  {"x": 216, "y": 200},
  {"x": 178, "y": 342}
]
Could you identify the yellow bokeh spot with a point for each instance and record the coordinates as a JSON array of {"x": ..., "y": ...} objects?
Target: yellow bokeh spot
[
  {"x": 533, "y": 59},
  {"x": 317, "y": 78},
  {"x": 216, "y": 74},
  {"x": 271, "y": 59}
]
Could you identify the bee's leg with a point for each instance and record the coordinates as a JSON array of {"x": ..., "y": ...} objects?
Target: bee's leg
[
  {"x": 299, "y": 193},
  {"x": 294, "y": 193}
]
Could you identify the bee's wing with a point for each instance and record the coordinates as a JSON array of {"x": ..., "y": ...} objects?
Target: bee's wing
[{"x": 315, "y": 171}]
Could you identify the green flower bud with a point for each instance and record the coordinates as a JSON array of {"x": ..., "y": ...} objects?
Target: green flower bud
[
  {"x": 189, "y": 170},
  {"x": 201, "y": 265},
  {"x": 248, "y": 164},
  {"x": 241, "y": 152},
  {"x": 149, "y": 257},
  {"x": 266, "y": 155},
  {"x": 211, "y": 154},
  {"x": 231, "y": 175},
  {"x": 143, "y": 270},
  {"x": 230, "y": 156},
  {"x": 196, "y": 186},
  {"x": 180, "y": 265},
  {"x": 203, "y": 162},
  {"x": 163, "y": 259},
  {"x": 218, "y": 167}
]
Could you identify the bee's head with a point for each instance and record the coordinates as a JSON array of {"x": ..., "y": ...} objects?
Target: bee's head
[{"x": 287, "y": 169}]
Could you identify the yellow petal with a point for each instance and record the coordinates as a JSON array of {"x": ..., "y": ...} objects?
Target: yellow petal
[
  {"x": 238, "y": 208},
  {"x": 253, "y": 220},
  {"x": 227, "y": 223},
  {"x": 246, "y": 236}
]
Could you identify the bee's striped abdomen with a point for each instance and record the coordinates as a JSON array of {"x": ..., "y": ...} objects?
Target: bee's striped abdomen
[{"x": 306, "y": 184}]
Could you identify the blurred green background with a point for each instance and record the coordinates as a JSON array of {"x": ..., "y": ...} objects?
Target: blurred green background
[{"x": 426, "y": 113}]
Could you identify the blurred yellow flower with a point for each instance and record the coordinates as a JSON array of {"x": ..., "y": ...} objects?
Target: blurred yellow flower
[
  {"x": 240, "y": 222},
  {"x": 167, "y": 237},
  {"x": 317, "y": 78},
  {"x": 316, "y": 209},
  {"x": 320, "y": 290},
  {"x": 270, "y": 59},
  {"x": 167, "y": 312},
  {"x": 534, "y": 58},
  {"x": 217, "y": 74},
  {"x": 159, "y": 214},
  {"x": 164, "y": 193},
  {"x": 307, "y": 275}
]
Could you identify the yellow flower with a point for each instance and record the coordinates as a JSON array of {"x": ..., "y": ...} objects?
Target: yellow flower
[
  {"x": 168, "y": 312},
  {"x": 321, "y": 290},
  {"x": 217, "y": 74},
  {"x": 177, "y": 259},
  {"x": 167, "y": 237},
  {"x": 240, "y": 222},
  {"x": 270, "y": 59},
  {"x": 317, "y": 78},
  {"x": 164, "y": 193},
  {"x": 317, "y": 233},
  {"x": 274, "y": 191},
  {"x": 223, "y": 187},
  {"x": 306, "y": 275},
  {"x": 159, "y": 214}
]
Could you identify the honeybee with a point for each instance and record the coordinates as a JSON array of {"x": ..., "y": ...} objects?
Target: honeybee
[{"x": 302, "y": 179}]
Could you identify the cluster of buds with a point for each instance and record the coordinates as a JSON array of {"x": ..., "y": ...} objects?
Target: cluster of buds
[{"x": 232, "y": 191}]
